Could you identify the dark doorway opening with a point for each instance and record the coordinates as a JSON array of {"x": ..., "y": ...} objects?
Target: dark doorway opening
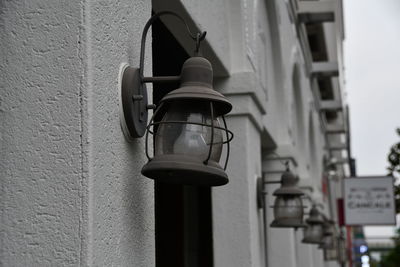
[{"x": 183, "y": 221}]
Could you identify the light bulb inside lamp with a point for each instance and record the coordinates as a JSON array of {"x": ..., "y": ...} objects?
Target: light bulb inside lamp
[
  {"x": 192, "y": 141},
  {"x": 288, "y": 207},
  {"x": 191, "y": 137}
]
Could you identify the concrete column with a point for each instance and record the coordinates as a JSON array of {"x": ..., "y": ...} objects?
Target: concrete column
[
  {"x": 235, "y": 213},
  {"x": 303, "y": 251},
  {"x": 44, "y": 172},
  {"x": 281, "y": 242},
  {"x": 237, "y": 222},
  {"x": 72, "y": 193},
  {"x": 318, "y": 256}
]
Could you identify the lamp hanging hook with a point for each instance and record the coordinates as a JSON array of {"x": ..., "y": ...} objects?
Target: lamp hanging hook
[
  {"x": 199, "y": 37},
  {"x": 285, "y": 163}
]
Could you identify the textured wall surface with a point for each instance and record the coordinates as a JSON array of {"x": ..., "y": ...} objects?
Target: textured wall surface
[
  {"x": 72, "y": 193},
  {"x": 236, "y": 237},
  {"x": 207, "y": 14},
  {"x": 42, "y": 172},
  {"x": 121, "y": 211}
]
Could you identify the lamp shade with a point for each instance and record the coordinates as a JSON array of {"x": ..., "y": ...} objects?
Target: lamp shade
[
  {"x": 288, "y": 212},
  {"x": 329, "y": 228},
  {"x": 313, "y": 233},
  {"x": 189, "y": 138},
  {"x": 342, "y": 250},
  {"x": 328, "y": 240}
]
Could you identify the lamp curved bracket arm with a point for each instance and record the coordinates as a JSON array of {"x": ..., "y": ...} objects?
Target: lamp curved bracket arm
[
  {"x": 134, "y": 102},
  {"x": 307, "y": 196},
  {"x": 261, "y": 192},
  {"x": 196, "y": 37},
  {"x": 285, "y": 163},
  {"x": 313, "y": 202}
]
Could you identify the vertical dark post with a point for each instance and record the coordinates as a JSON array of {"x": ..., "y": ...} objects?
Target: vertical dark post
[{"x": 183, "y": 214}]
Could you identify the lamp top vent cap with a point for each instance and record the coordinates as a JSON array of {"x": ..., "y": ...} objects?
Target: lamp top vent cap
[
  {"x": 315, "y": 217},
  {"x": 289, "y": 187},
  {"x": 329, "y": 228},
  {"x": 197, "y": 71},
  {"x": 196, "y": 83}
]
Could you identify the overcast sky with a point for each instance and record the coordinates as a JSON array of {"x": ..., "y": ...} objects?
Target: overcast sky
[
  {"x": 372, "y": 73},
  {"x": 372, "y": 62}
]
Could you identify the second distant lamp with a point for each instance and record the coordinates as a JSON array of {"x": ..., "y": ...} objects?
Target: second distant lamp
[
  {"x": 314, "y": 232},
  {"x": 328, "y": 240},
  {"x": 288, "y": 205}
]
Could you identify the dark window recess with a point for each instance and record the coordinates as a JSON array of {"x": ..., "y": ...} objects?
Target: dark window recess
[
  {"x": 331, "y": 115},
  {"x": 316, "y": 41},
  {"x": 325, "y": 88},
  {"x": 183, "y": 221},
  {"x": 326, "y": 93}
]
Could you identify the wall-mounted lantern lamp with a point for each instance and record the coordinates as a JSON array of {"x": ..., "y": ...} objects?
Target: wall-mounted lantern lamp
[
  {"x": 331, "y": 251},
  {"x": 189, "y": 139},
  {"x": 328, "y": 240},
  {"x": 313, "y": 233},
  {"x": 342, "y": 250},
  {"x": 288, "y": 206}
]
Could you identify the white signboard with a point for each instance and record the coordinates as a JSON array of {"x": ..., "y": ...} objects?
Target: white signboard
[{"x": 369, "y": 201}]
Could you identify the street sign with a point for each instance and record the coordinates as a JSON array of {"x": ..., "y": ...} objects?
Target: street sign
[{"x": 369, "y": 201}]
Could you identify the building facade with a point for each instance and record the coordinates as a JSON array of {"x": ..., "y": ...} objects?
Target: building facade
[{"x": 72, "y": 191}]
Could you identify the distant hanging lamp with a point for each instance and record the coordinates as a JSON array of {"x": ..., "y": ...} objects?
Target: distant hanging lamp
[
  {"x": 288, "y": 206},
  {"x": 189, "y": 139},
  {"x": 328, "y": 240},
  {"x": 342, "y": 249},
  {"x": 313, "y": 233}
]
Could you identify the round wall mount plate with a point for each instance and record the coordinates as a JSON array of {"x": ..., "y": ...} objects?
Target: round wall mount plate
[
  {"x": 260, "y": 193},
  {"x": 133, "y": 103}
]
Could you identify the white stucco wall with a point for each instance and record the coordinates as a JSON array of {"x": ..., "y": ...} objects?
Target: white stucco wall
[
  {"x": 72, "y": 193},
  {"x": 43, "y": 152},
  {"x": 121, "y": 212},
  {"x": 235, "y": 218}
]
